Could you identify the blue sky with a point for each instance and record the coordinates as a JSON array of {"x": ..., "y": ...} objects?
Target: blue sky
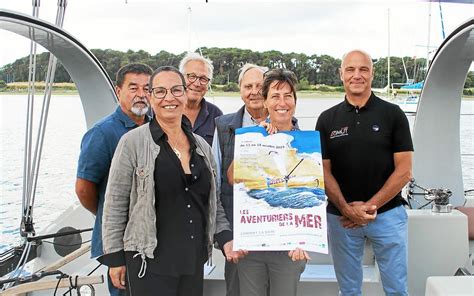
[{"x": 311, "y": 27}]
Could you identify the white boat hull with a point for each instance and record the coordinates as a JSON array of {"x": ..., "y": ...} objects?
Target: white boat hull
[{"x": 438, "y": 246}]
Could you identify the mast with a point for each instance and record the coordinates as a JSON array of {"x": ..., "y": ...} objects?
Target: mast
[
  {"x": 428, "y": 41},
  {"x": 442, "y": 21},
  {"x": 388, "y": 58},
  {"x": 189, "y": 28},
  {"x": 406, "y": 72}
]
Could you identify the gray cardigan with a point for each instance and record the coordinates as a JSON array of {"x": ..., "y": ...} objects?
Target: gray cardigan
[{"x": 129, "y": 219}]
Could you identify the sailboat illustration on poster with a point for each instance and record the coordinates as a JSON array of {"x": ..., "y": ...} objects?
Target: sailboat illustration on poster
[{"x": 279, "y": 198}]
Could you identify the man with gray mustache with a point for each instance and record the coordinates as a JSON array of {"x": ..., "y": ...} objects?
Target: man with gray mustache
[
  {"x": 140, "y": 106},
  {"x": 99, "y": 143}
]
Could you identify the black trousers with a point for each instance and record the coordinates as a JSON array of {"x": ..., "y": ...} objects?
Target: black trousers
[{"x": 153, "y": 284}]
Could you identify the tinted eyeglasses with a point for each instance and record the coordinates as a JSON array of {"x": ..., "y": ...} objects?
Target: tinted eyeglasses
[
  {"x": 160, "y": 92},
  {"x": 193, "y": 77}
]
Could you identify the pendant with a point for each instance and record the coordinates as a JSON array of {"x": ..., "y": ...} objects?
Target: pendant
[{"x": 176, "y": 151}]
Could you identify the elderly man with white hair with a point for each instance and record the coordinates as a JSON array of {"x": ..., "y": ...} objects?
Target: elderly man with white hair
[
  {"x": 198, "y": 71},
  {"x": 252, "y": 113}
]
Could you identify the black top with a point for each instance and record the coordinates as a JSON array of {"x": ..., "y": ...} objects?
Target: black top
[
  {"x": 360, "y": 144},
  {"x": 182, "y": 205}
]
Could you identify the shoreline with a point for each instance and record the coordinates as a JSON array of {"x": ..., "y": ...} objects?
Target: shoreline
[
  {"x": 216, "y": 90},
  {"x": 300, "y": 94}
]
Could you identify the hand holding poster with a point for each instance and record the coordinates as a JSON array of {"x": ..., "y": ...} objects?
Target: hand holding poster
[{"x": 279, "y": 198}]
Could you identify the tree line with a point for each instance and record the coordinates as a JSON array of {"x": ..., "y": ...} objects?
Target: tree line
[{"x": 310, "y": 69}]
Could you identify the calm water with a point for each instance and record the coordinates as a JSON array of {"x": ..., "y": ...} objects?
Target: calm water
[{"x": 66, "y": 125}]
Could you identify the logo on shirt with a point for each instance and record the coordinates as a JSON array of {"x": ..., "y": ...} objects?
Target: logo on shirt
[
  {"x": 339, "y": 133},
  {"x": 375, "y": 128}
]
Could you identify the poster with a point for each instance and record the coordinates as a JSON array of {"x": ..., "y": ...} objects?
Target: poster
[{"x": 279, "y": 198}]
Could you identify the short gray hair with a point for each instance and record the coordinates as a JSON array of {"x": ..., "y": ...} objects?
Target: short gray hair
[
  {"x": 359, "y": 51},
  {"x": 135, "y": 68},
  {"x": 194, "y": 56},
  {"x": 247, "y": 67}
]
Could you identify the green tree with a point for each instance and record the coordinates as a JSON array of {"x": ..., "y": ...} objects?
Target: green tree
[
  {"x": 469, "y": 80},
  {"x": 310, "y": 69},
  {"x": 231, "y": 86},
  {"x": 303, "y": 84}
]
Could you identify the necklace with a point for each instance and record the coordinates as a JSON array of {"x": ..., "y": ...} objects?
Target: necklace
[{"x": 174, "y": 147}]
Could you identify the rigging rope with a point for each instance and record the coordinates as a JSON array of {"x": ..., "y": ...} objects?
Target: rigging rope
[
  {"x": 45, "y": 110},
  {"x": 29, "y": 117},
  {"x": 30, "y": 169},
  {"x": 19, "y": 267}
]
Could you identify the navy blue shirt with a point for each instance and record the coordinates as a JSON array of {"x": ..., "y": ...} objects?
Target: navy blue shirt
[
  {"x": 97, "y": 149},
  {"x": 204, "y": 124},
  {"x": 360, "y": 142}
]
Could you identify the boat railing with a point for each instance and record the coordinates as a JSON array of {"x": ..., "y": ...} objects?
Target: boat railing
[{"x": 73, "y": 283}]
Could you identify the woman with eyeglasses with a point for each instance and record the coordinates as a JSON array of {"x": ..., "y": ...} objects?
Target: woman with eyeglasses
[
  {"x": 161, "y": 210},
  {"x": 275, "y": 271}
]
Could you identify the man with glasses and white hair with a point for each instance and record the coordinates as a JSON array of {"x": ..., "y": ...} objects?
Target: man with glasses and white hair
[
  {"x": 197, "y": 71},
  {"x": 251, "y": 114},
  {"x": 99, "y": 143}
]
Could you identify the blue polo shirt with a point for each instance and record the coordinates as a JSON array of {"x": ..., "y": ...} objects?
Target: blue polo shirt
[
  {"x": 204, "y": 124},
  {"x": 97, "y": 149}
]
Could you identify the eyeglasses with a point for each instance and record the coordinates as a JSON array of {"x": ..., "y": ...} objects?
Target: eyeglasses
[
  {"x": 160, "y": 92},
  {"x": 202, "y": 79}
]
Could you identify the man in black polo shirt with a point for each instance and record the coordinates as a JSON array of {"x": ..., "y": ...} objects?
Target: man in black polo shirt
[{"x": 367, "y": 159}]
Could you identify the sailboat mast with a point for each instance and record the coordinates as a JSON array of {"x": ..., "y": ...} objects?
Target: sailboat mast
[
  {"x": 406, "y": 72},
  {"x": 428, "y": 41},
  {"x": 442, "y": 21},
  {"x": 388, "y": 58},
  {"x": 189, "y": 28}
]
